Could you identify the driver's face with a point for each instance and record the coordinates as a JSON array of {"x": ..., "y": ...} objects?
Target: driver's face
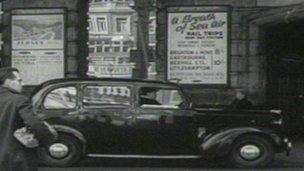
[
  {"x": 240, "y": 95},
  {"x": 152, "y": 95}
]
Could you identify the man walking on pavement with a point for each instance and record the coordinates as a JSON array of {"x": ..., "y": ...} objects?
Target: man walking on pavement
[{"x": 16, "y": 112}]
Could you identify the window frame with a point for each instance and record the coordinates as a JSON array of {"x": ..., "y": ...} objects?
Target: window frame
[
  {"x": 94, "y": 19},
  {"x": 106, "y": 106},
  {"x": 161, "y": 107},
  {"x": 128, "y": 24}
]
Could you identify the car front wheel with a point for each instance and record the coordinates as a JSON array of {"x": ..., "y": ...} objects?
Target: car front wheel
[
  {"x": 64, "y": 152},
  {"x": 251, "y": 151}
]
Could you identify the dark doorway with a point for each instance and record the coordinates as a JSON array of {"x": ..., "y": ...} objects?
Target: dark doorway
[{"x": 283, "y": 47}]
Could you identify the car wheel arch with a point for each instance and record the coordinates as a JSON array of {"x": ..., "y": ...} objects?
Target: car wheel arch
[
  {"x": 220, "y": 144},
  {"x": 73, "y": 132}
]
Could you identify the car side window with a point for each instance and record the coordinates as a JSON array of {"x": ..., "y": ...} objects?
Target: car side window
[
  {"x": 61, "y": 98},
  {"x": 160, "y": 98},
  {"x": 100, "y": 96}
]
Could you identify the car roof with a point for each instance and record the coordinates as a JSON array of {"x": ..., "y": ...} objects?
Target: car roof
[{"x": 67, "y": 80}]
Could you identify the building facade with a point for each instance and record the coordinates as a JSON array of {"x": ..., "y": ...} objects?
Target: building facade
[
  {"x": 259, "y": 41},
  {"x": 112, "y": 35}
]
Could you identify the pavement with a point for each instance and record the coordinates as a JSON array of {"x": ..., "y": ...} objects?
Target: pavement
[{"x": 281, "y": 163}]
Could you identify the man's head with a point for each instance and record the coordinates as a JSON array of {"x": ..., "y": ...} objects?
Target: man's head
[
  {"x": 149, "y": 92},
  {"x": 10, "y": 78},
  {"x": 151, "y": 95}
]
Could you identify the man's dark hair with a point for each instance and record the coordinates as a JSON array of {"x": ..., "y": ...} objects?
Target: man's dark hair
[{"x": 7, "y": 73}]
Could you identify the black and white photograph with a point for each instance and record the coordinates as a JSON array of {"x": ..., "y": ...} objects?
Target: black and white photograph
[
  {"x": 37, "y": 31},
  {"x": 91, "y": 85}
]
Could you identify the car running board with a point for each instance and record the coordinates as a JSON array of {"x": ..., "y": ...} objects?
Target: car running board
[{"x": 145, "y": 156}]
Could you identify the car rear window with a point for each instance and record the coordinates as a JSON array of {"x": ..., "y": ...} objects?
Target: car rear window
[{"x": 99, "y": 96}]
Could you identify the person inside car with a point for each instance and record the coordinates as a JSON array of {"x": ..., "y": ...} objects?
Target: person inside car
[
  {"x": 148, "y": 97},
  {"x": 241, "y": 102}
]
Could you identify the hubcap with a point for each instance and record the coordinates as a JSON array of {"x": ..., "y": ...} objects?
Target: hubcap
[
  {"x": 58, "y": 150},
  {"x": 250, "y": 152}
]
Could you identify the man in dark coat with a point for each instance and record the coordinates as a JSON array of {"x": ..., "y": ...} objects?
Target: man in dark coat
[
  {"x": 241, "y": 102},
  {"x": 16, "y": 112}
]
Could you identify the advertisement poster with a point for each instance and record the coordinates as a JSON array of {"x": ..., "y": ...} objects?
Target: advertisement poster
[
  {"x": 197, "y": 47},
  {"x": 37, "y": 31},
  {"x": 38, "y": 66}
]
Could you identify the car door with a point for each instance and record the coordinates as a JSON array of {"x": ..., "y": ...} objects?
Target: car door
[
  {"x": 57, "y": 102},
  {"x": 164, "y": 126},
  {"x": 108, "y": 109}
]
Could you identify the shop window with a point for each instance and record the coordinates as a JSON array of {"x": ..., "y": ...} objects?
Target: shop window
[{"x": 61, "y": 98}]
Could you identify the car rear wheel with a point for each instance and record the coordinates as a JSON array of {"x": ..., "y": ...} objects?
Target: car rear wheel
[
  {"x": 251, "y": 151},
  {"x": 66, "y": 151}
]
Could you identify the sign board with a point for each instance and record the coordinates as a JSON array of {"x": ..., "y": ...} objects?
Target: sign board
[
  {"x": 36, "y": 67},
  {"x": 111, "y": 70},
  {"x": 38, "y": 44},
  {"x": 37, "y": 31},
  {"x": 197, "y": 51}
]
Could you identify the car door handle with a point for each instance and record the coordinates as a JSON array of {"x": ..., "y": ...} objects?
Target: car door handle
[
  {"x": 78, "y": 112},
  {"x": 73, "y": 113}
]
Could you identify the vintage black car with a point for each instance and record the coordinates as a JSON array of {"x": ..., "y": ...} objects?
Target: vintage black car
[{"x": 150, "y": 119}]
